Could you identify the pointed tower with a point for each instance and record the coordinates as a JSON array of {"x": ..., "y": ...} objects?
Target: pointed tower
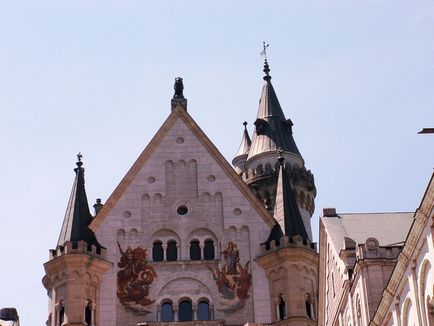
[
  {"x": 260, "y": 171},
  {"x": 290, "y": 260},
  {"x": 239, "y": 160},
  {"x": 74, "y": 270}
]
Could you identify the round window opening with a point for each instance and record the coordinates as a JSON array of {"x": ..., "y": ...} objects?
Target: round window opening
[{"x": 182, "y": 210}]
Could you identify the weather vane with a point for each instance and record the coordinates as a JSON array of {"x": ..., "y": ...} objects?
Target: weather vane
[
  {"x": 79, "y": 156},
  {"x": 264, "y": 51}
]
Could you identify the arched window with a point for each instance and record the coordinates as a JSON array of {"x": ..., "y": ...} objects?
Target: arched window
[
  {"x": 203, "y": 312},
  {"x": 157, "y": 251},
  {"x": 194, "y": 250},
  {"x": 282, "y": 308},
  {"x": 172, "y": 251},
  {"x": 185, "y": 311},
  {"x": 308, "y": 304},
  {"x": 166, "y": 312},
  {"x": 208, "y": 250},
  {"x": 88, "y": 313}
]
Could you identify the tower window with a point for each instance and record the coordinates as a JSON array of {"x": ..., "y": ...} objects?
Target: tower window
[
  {"x": 208, "y": 250},
  {"x": 88, "y": 313},
  {"x": 172, "y": 251},
  {"x": 157, "y": 251},
  {"x": 203, "y": 311},
  {"x": 194, "y": 250},
  {"x": 166, "y": 312},
  {"x": 61, "y": 315},
  {"x": 282, "y": 308},
  {"x": 185, "y": 311}
]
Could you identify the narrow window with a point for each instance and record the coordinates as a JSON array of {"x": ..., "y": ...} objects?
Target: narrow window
[
  {"x": 61, "y": 314},
  {"x": 172, "y": 251},
  {"x": 194, "y": 250},
  {"x": 88, "y": 313},
  {"x": 203, "y": 311},
  {"x": 157, "y": 251},
  {"x": 282, "y": 308},
  {"x": 185, "y": 311},
  {"x": 208, "y": 251},
  {"x": 166, "y": 312}
]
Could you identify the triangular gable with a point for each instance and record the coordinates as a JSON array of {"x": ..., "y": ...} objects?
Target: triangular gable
[{"x": 180, "y": 113}]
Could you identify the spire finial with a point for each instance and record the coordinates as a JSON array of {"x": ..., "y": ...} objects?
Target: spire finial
[
  {"x": 245, "y": 124},
  {"x": 179, "y": 88},
  {"x": 266, "y": 70},
  {"x": 79, "y": 162}
]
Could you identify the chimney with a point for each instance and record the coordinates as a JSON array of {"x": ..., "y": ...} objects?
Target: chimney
[
  {"x": 97, "y": 206},
  {"x": 329, "y": 212}
]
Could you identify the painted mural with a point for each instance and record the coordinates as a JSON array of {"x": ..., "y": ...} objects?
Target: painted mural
[
  {"x": 232, "y": 278},
  {"x": 134, "y": 279}
]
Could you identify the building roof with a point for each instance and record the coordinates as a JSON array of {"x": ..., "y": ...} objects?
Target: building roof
[
  {"x": 77, "y": 217},
  {"x": 388, "y": 228},
  {"x": 273, "y": 130},
  {"x": 245, "y": 144}
]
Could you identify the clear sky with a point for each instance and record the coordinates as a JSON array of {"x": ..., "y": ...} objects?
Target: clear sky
[{"x": 355, "y": 77}]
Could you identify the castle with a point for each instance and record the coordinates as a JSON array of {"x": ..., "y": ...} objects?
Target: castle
[{"x": 187, "y": 238}]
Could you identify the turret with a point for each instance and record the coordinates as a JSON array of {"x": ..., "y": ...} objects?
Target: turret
[
  {"x": 75, "y": 268},
  {"x": 239, "y": 160},
  {"x": 273, "y": 132}
]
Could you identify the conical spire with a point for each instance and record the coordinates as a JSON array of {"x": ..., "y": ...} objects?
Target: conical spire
[
  {"x": 286, "y": 211},
  {"x": 77, "y": 217},
  {"x": 245, "y": 143},
  {"x": 239, "y": 160},
  {"x": 272, "y": 131}
]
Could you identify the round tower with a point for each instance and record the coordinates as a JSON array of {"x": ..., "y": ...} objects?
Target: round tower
[{"x": 273, "y": 133}]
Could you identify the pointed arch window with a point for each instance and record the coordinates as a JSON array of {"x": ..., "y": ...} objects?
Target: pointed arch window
[
  {"x": 185, "y": 311},
  {"x": 172, "y": 251},
  {"x": 157, "y": 251},
  {"x": 194, "y": 250},
  {"x": 309, "y": 307},
  {"x": 208, "y": 250},
  {"x": 167, "y": 312}
]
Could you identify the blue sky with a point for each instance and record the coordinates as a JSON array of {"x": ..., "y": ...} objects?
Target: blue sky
[{"x": 355, "y": 77}]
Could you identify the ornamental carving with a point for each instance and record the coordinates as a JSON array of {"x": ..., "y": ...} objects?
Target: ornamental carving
[
  {"x": 232, "y": 278},
  {"x": 134, "y": 279}
]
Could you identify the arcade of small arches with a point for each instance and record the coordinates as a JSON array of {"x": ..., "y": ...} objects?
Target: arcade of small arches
[
  {"x": 185, "y": 310},
  {"x": 169, "y": 251}
]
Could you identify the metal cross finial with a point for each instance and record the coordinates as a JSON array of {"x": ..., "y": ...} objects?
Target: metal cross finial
[
  {"x": 264, "y": 51},
  {"x": 79, "y": 156}
]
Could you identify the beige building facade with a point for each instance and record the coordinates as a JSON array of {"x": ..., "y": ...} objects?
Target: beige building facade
[{"x": 188, "y": 238}]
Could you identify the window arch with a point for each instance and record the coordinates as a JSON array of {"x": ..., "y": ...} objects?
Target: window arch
[
  {"x": 282, "y": 308},
  {"x": 157, "y": 251},
  {"x": 60, "y": 313},
  {"x": 208, "y": 250},
  {"x": 203, "y": 312},
  {"x": 185, "y": 311},
  {"x": 171, "y": 251},
  {"x": 195, "y": 250},
  {"x": 166, "y": 312}
]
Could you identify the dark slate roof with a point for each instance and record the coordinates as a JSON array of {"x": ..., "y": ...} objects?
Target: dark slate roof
[
  {"x": 245, "y": 144},
  {"x": 77, "y": 217},
  {"x": 286, "y": 210},
  {"x": 272, "y": 130}
]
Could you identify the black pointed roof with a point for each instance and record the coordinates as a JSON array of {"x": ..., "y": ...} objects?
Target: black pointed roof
[
  {"x": 77, "y": 217},
  {"x": 286, "y": 210},
  {"x": 273, "y": 130},
  {"x": 245, "y": 144}
]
